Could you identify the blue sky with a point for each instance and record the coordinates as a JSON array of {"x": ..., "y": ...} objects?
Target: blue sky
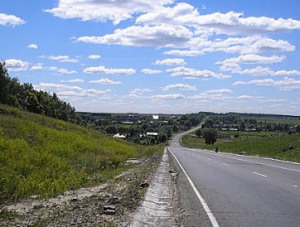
[{"x": 160, "y": 56}]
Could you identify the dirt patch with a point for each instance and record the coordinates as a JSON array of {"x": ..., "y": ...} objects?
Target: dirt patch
[{"x": 110, "y": 204}]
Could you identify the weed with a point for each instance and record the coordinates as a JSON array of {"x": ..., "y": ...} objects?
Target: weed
[{"x": 45, "y": 157}]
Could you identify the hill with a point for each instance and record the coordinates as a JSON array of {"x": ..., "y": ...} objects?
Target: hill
[{"x": 44, "y": 156}]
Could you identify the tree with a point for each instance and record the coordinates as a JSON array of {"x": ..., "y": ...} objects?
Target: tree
[
  {"x": 4, "y": 84},
  {"x": 188, "y": 124},
  {"x": 111, "y": 129},
  {"x": 198, "y": 132},
  {"x": 195, "y": 121},
  {"x": 210, "y": 136}
]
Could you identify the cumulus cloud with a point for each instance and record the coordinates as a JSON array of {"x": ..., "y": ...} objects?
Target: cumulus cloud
[
  {"x": 151, "y": 71},
  {"x": 257, "y": 71},
  {"x": 181, "y": 13},
  {"x": 216, "y": 94},
  {"x": 16, "y": 65},
  {"x": 10, "y": 20},
  {"x": 253, "y": 59},
  {"x": 159, "y": 35},
  {"x": 171, "y": 62},
  {"x": 105, "y": 81},
  {"x": 68, "y": 91},
  {"x": 220, "y": 91},
  {"x": 286, "y": 84},
  {"x": 103, "y": 70},
  {"x": 138, "y": 92},
  {"x": 189, "y": 72},
  {"x": 62, "y": 71},
  {"x": 103, "y": 10},
  {"x": 94, "y": 56},
  {"x": 168, "y": 96},
  {"x": 38, "y": 66},
  {"x": 180, "y": 87},
  {"x": 230, "y": 23},
  {"x": 33, "y": 46},
  {"x": 62, "y": 58},
  {"x": 73, "y": 81},
  {"x": 233, "y": 23},
  {"x": 243, "y": 45}
]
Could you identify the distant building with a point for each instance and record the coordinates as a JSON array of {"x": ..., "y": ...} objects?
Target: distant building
[
  {"x": 119, "y": 136},
  {"x": 155, "y": 117}
]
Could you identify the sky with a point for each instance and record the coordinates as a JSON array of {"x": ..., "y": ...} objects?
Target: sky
[{"x": 162, "y": 56}]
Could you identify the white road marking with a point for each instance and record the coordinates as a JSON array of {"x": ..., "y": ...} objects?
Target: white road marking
[
  {"x": 211, "y": 216},
  {"x": 209, "y": 158},
  {"x": 225, "y": 164},
  {"x": 260, "y": 163},
  {"x": 295, "y": 186},
  {"x": 259, "y": 174}
]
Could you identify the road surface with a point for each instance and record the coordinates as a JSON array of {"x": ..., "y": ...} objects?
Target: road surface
[{"x": 221, "y": 189}]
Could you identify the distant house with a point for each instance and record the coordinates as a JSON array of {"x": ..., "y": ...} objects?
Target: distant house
[
  {"x": 119, "y": 136},
  {"x": 152, "y": 134},
  {"x": 128, "y": 122},
  {"x": 155, "y": 117}
]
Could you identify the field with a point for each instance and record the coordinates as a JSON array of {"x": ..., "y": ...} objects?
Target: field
[
  {"x": 45, "y": 157},
  {"x": 282, "y": 146}
]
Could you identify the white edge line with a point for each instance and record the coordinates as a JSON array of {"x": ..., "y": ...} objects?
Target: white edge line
[
  {"x": 259, "y": 174},
  {"x": 212, "y": 218}
]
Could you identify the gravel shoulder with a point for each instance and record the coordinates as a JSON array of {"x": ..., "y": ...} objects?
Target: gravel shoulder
[{"x": 113, "y": 203}]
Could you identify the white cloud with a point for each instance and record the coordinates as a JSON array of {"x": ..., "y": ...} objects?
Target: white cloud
[
  {"x": 257, "y": 71},
  {"x": 138, "y": 92},
  {"x": 184, "y": 53},
  {"x": 38, "y": 66},
  {"x": 94, "y": 56},
  {"x": 10, "y": 20},
  {"x": 168, "y": 96},
  {"x": 68, "y": 91},
  {"x": 233, "y": 23},
  {"x": 286, "y": 84},
  {"x": 181, "y": 13},
  {"x": 33, "y": 46},
  {"x": 220, "y": 91},
  {"x": 230, "y": 23},
  {"x": 103, "y": 10},
  {"x": 151, "y": 71},
  {"x": 253, "y": 59},
  {"x": 105, "y": 81},
  {"x": 286, "y": 73},
  {"x": 171, "y": 62},
  {"x": 159, "y": 35},
  {"x": 73, "y": 81},
  {"x": 63, "y": 58},
  {"x": 189, "y": 72},
  {"x": 180, "y": 87},
  {"x": 62, "y": 71},
  {"x": 16, "y": 65},
  {"x": 244, "y": 45},
  {"x": 103, "y": 70},
  {"x": 215, "y": 94},
  {"x": 245, "y": 97}
]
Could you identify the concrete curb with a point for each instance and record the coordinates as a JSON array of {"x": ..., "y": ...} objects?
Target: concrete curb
[{"x": 157, "y": 207}]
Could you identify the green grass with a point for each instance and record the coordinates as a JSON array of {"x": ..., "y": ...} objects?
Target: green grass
[
  {"x": 274, "y": 120},
  {"x": 254, "y": 144},
  {"x": 43, "y": 156}
]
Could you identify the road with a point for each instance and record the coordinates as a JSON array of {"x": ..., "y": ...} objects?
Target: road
[{"x": 222, "y": 189}]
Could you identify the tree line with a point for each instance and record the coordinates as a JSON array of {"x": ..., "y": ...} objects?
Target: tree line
[{"x": 25, "y": 97}]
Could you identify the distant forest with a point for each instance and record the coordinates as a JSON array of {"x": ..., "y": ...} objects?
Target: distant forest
[{"x": 25, "y": 97}]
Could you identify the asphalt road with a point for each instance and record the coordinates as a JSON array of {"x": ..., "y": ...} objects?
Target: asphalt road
[{"x": 223, "y": 189}]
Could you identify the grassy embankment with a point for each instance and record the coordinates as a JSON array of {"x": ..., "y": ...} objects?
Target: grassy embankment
[
  {"x": 280, "y": 146},
  {"x": 43, "y": 156}
]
